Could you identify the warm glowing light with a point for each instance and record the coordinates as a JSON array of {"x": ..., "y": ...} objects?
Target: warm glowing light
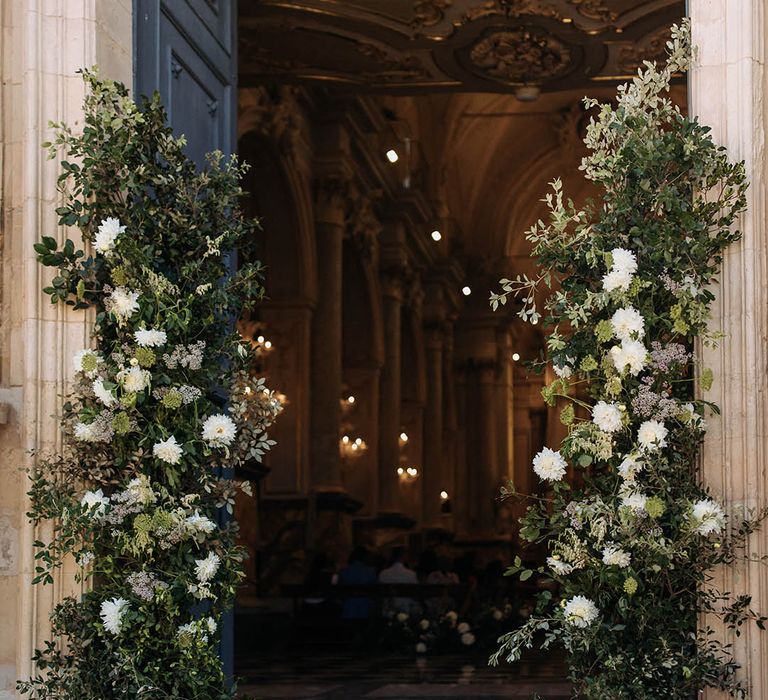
[
  {"x": 247, "y": 390},
  {"x": 268, "y": 344},
  {"x": 436, "y": 235},
  {"x": 345, "y": 439},
  {"x": 515, "y": 357},
  {"x": 359, "y": 441},
  {"x": 260, "y": 339},
  {"x": 400, "y": 471},
  {"x": 392, "y": 156},
  {"x": 444, "y": 495},
  {"x": 412, "y": 471},
  {"x": 466, "y": 291},
  {"x": 350, "y": 399},
  {"x": 403, "y": 437}
]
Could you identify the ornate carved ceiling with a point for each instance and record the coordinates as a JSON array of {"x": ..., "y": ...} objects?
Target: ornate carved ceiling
[{"x": 407, "y": 46}]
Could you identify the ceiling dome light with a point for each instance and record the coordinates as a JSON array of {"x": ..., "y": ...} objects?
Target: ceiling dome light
[
  {"x": 392, "y": 156},
  {"x": 466, "y": 290},
  {"x": 436, "y": 235}
]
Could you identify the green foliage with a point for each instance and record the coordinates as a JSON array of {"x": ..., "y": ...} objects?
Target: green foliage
[
  {"x": 135, "y": 495},
  {"x": 630, "y": 282}
]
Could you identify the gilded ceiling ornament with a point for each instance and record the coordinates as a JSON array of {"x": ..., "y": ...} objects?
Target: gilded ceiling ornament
[
  {"x": 428, "y": 13},
  {"x": 390, "y": 67},
  {"x": 520, "y": 56},
  {"x": 594, "y": 9},
  {"x": 511, "y": 8},
  {"x": 652, "y": 48}
]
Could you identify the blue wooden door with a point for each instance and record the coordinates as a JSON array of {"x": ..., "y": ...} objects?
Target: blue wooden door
[{"x": 186, "y": 50}]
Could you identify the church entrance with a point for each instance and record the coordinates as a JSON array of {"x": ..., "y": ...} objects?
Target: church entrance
[{"x": 399, "y": 152}]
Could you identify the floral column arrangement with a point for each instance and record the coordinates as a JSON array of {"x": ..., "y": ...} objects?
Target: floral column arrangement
[
  {"x": 631, "y": 279},
  {"x": 161, "y": 402}
]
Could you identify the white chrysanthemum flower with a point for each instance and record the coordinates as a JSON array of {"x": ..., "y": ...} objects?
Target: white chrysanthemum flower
[
  {"x": 616, "y": 279},
  {"x": 613, "y": 555},
  {"x": 134, "y": 379},
  {"x": 87, "y": 361},
  {"x": 708, "y": 517},
  {"x": 635, "y": 501},
  {"x": 560, "y": 567},
  {"x": 168, "y": 450},
  {"x": 199, "y": 523},
  {"x": 580, "y": 611},
  {"x": 624, "y": 260},
  {"x": 219, "y": 430},
  {"x": 607, "y": 416},
  {"x": 205, "y": 569},
  {"x": 629, "y": 468},
  {"x": 630, "y": 355},
  {"x": 123, "y": 303},
  {"x": 210, "y": 623},
  {"x": 106, "y": 236},
  {"x": 691, "y": 417},
  {"x": 652, "y": 435},
  {"x": 96, "y": 502},
  {"x": 467, "y": 639},
  {"x": 150, "y": 338},
  {"x": 87, "y": 432},
  {"x": 103, "y": 394},
  {"x": 549, "y": 465},
  {"x": 628, "y": 324},
  {"x": 112, "y": 614}
]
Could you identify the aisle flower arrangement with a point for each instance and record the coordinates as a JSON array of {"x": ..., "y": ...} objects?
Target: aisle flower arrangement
[
  {"x": 634, "y": 540},
  {"x": 163, "y": 403}
]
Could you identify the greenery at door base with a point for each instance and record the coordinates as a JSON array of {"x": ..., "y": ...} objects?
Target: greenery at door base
[
  {"x": 634, "y": 536},
  {"x": 163, "y": 401}
]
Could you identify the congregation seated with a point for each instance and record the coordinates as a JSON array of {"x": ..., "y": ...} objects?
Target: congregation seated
[
  {"x": 398, "y": 572},
  {"x": 357, "y": 572}
]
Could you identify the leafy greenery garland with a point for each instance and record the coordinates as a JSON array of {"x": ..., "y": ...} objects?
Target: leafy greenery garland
[
  {"x": 161, "y": 404},
  {"x": 634, "y": 540}
]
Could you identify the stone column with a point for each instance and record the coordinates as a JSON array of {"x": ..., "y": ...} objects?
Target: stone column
[
  {"x": 325, "y": 418},
  {"x": 43, "y": 45},
  {"x": 434, "y": 476},
  {"x": 728, "y": 85},
  {"x": 486, "y": 460},
  {"x": 389, "y": 446}
]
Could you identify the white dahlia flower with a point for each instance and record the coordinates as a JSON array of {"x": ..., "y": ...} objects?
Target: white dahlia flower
[
  {"x": 624, "y": 260},
  {"x": 580, "y": 611},
  {"x": 549, "y": 465},
  {"x": 635, "y": 501},
  {"x": 134, "y": 379},
  {"x": 205, "y": 569},
  {"x": 199, "y": 523},
  {"x": 607, "y": 416},
  {"x": 631, "y": 355},
  {"x": 150, "y": 338},
  {"x": 123, "y": 303},
  {"x": 652, "y": 435},
  {"x": 628, "y": 324},
  {"x": 613, "y": 555},
  {"x": 616, "y": 279},
  {"x": 629, "y": 468},
  {"x": 96, "y": 502},
  {"x": 106, "y": 236},
  {"x": 708, "y": 517},
  {"x": 219, "y": 430},
  {"x": 167, "y": 450},
  {"x": 103, "y": 394},
  {"x": 112, "y": 614}
]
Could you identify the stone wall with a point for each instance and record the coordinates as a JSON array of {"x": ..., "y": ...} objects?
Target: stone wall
[{"x": 44, "y": 43}]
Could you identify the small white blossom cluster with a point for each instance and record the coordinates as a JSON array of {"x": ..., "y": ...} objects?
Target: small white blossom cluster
[
  {"x": 708, "y": 517},
  {"x": 187, "y": 356},
  {"x": 196, "y": 631},
  {"x": 98, "y": 430},
  {"x": 145, "y": 584},
  {"x": 205, "y": 571}
]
